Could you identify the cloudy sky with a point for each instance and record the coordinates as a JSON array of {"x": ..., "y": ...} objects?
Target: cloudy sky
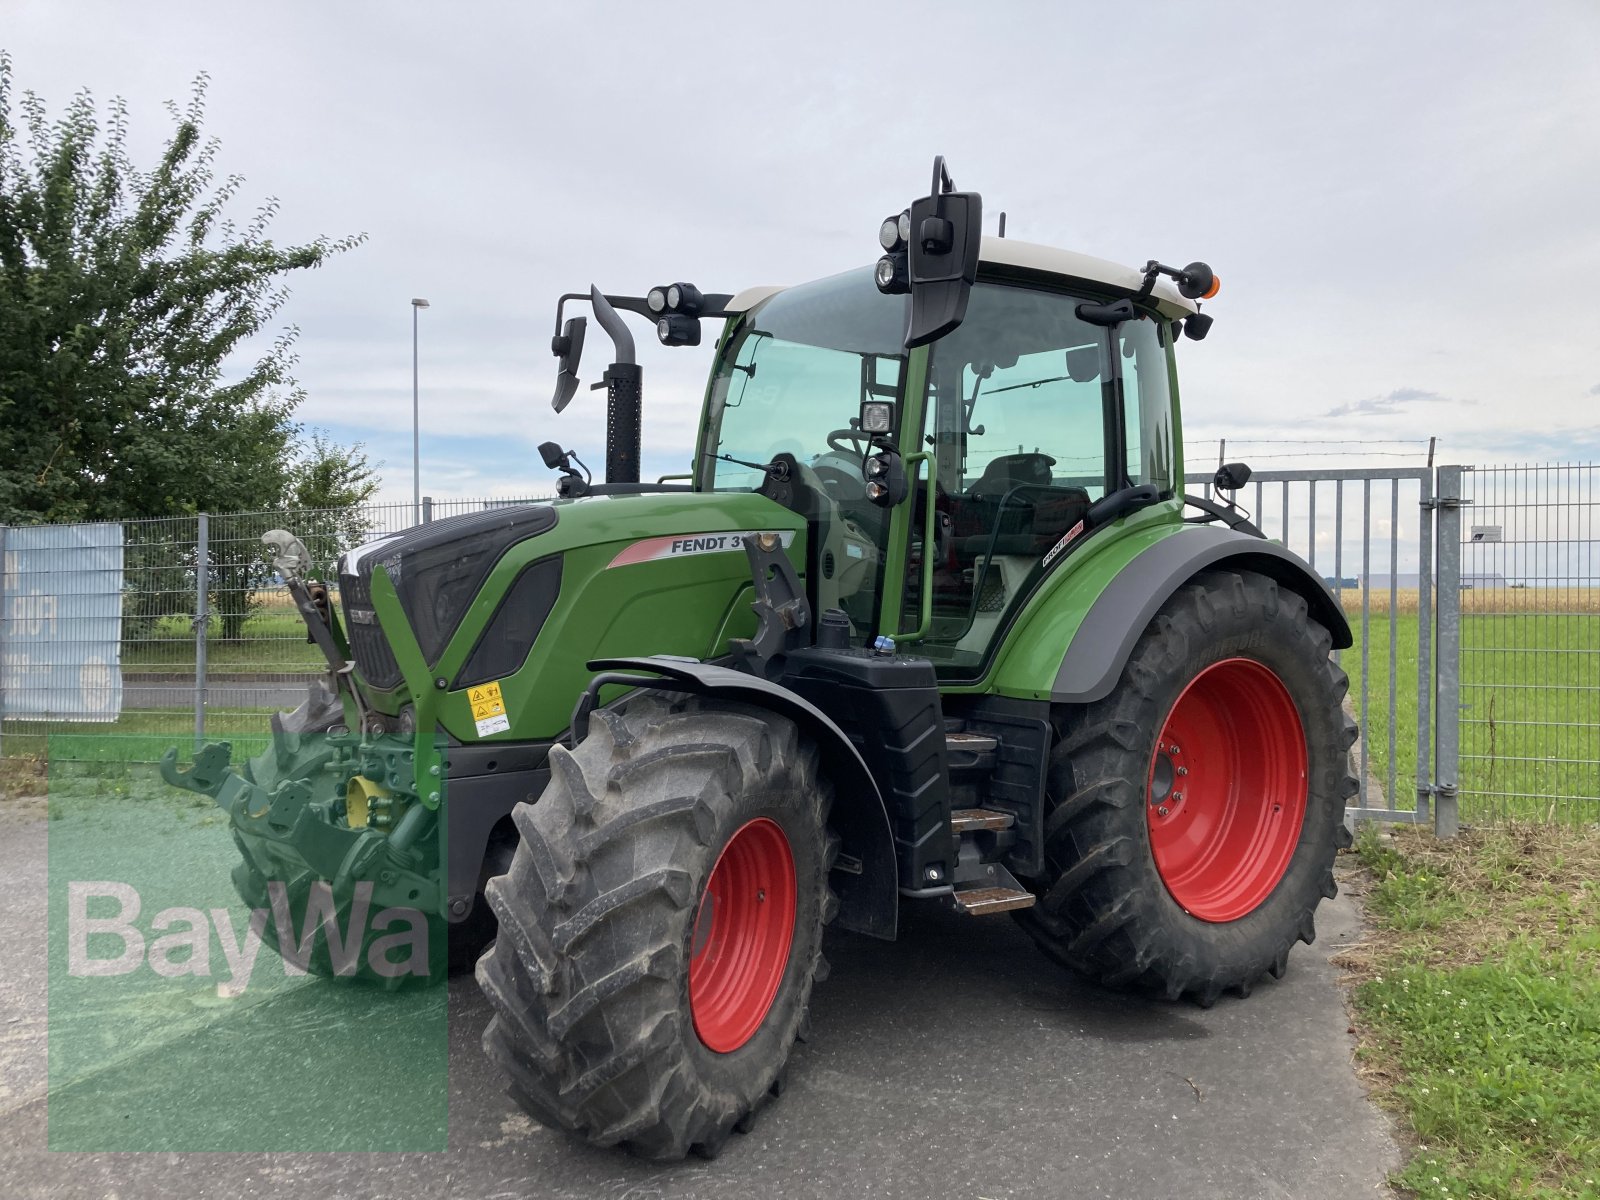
[{"x": 1399, "y": 198}]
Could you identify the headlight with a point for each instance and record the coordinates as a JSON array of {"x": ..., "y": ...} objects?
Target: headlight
[
  {"x": 656, "y": 299},
  {"x": 889, "y": 233}
]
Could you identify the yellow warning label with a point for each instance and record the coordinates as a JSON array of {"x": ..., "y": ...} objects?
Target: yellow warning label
[{"x": 486, "y": 701}]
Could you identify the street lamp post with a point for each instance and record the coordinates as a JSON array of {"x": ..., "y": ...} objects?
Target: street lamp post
[{"x": 417, "y": 305}]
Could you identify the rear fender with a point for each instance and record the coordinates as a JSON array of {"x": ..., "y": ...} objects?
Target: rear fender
[
  {"x": 1104, "y": 641},
  {"x": 864, "y": 877}
]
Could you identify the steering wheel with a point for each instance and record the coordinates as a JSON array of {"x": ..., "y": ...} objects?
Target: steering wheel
[
  {"x": 858, "y": 440},
  {"x": 843, "y": 486}
]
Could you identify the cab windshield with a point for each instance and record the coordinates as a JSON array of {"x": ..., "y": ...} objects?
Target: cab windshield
[
  {"x": 794, "y": 378},
  {"x": 789, "y": 388}
]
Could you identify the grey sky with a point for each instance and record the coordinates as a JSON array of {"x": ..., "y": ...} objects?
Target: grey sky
[{"x": 1400, "y": 199}]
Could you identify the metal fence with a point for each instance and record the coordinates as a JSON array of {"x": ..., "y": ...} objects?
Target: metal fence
[
  {"x": 1473, "y": 594},
  {"x": 205, "y": 637}
]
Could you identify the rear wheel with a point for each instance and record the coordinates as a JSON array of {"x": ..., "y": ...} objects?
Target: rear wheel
[
  {"x": 1196, "y": 811},
  {"x": 661, "y": 925}
]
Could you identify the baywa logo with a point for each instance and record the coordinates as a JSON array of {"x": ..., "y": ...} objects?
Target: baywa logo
[{"x": 184, "y": 944}]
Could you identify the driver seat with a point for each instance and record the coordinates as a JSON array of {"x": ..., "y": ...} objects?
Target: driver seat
[{"x": 1013, "y": 470}]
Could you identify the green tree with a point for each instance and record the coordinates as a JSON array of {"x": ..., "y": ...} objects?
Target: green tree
[
  {"x": 325, "y": 490},
  {"x": 329, "y": 486},
  {"x": 126, "y": 299}
]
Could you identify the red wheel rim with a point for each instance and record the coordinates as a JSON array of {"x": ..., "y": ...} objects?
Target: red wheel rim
[
  {"x": 742, "y": 933},
  {"x": 1227, "y": 790}
]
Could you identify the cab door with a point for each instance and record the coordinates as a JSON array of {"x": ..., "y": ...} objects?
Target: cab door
[{"x": 1031, "y": 414}]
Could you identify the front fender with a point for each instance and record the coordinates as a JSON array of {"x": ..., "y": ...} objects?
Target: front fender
[
  {"x": 864, "y": 878},
  {"x": 1124, "y": 609}
]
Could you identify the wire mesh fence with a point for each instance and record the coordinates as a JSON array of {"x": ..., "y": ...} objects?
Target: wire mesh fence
[
  {"x": 1530, "y": 643},
  {"x": 167, "y": 628},
  {"x": 179, "y": 626}
]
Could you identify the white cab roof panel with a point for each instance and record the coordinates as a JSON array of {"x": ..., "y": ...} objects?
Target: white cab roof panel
[{"x": 1008, "y": 252}]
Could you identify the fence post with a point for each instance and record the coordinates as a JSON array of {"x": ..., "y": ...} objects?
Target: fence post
[
  {"x": 427, "y": 509},
  {"x": 202, "y": 622},
  {"x": 1447, "y": 709},
  {"x": 1427, "y": 514}
]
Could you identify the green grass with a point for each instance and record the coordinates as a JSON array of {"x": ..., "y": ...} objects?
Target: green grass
[
  {"x": 273, "y": 642},
  {"x": 1478, "y": 1005},
  {"x": 140, "y": 737}
]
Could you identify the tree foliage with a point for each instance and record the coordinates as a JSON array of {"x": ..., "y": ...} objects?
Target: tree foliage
[{"x": 127, "y": 299}]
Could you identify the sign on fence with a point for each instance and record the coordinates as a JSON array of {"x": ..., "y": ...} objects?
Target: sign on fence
[{"x": 61, "y": 622}]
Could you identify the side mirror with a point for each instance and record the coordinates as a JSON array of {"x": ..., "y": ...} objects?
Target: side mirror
[
  {"x": 568, "y": 347},
  {"x": 1230, "y": 477},
  {"x": 946, "y": 233},
  {"x": 932, "y": 252}
]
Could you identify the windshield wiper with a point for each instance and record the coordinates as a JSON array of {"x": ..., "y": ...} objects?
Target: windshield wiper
[
  {"x": 1036, "y": 383},
  {"x": 771, "y": 468}
]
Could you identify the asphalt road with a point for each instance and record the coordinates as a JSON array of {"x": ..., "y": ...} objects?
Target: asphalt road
[
  {"x": 955, "y": 1062},
  {"x": 220, "y": 694}
]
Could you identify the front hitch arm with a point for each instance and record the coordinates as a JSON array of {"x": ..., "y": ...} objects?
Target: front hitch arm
[{"x": 209, "y": 773}]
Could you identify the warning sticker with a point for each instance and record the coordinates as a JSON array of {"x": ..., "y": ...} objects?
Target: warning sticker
[{"x": 488, "y": 709}]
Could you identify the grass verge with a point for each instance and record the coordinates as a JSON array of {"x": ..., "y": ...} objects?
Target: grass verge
[{"x": 1477, "y": 1002}]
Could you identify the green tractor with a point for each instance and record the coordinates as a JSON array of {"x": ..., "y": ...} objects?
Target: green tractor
[{"x": 929, "y": 621}]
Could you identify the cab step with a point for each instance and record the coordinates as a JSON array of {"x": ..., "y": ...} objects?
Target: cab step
[
  {"x": 980, "y": 902},
  {"x": 969, "y": 820},
  {"x": 972, "y": 743}
]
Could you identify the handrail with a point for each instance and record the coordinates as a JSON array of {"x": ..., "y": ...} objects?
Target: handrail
[{"x": 929, "y": 521}]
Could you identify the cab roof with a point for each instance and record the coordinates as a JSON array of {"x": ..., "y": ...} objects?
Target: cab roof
[{"x": 1046, "y": 260}]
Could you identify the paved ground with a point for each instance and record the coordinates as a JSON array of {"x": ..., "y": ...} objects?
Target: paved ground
[
  {"x": 220, "y": 694},
  {"x": 956, "y": 1062}
]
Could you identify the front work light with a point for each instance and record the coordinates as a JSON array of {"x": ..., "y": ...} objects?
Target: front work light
[
  {"x": 656, "y": 299},
  {"x": 676, "y": 329},
  {"x": 892, "y": 275},
  {"x": 684, "y": 298},
  {"x": 877, "y": 416}
]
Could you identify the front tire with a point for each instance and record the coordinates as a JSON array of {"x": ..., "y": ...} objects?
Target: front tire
[
  {"x": 1195, "y": 813},
  {"x": 661, "y": 925}
]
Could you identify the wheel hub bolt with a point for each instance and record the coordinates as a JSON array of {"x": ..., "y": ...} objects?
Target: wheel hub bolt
[
  {"x": 1183, "y": 770},
  {"x": 1162, "y": 810},
  {"x": 1177, "y": 797}
]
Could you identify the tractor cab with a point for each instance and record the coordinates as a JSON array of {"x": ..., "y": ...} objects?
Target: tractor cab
[{"x": 1006, "y": 432}]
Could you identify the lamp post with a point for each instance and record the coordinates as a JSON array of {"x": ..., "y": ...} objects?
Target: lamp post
[{"x": 417, "y": 305}]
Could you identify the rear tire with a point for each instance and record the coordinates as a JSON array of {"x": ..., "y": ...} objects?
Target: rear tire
[
  {"x": 629, "y": 1008},
  {"x": 1152, "y": 890}
]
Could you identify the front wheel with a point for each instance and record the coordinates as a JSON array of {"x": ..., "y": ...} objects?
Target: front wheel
[
  {"x": 1194, "y": 814},
  {"x": 661, "y": 925}
]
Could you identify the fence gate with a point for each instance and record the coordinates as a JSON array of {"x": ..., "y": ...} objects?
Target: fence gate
[{"x": 1519, "y": 641}]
